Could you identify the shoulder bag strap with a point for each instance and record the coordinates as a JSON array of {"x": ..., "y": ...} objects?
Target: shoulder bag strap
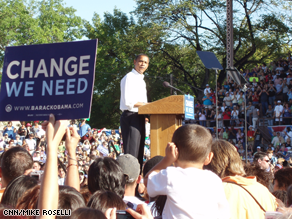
[{"x": 250, "y": 195}]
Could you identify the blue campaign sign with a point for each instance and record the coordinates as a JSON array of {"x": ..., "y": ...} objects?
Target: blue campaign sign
[
  {"x": 50, "y": 78},
  {"x": 189, "y": 107}
]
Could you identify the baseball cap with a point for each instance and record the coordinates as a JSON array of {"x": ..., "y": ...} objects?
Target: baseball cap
[
  {"x": 207, "y": 85},
  {"x": 279, "y": 101},
  {"x": 259, "y": 147},
  {"x": 28, "y": 124},
  {"x": 130, "y": 167}
]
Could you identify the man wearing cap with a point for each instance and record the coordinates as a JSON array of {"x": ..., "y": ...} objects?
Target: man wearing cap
[
  {"x": 134, "y": 95},
  {"x": 258, "y": 150},
  {"x": 278, "y": 112},
  {"x": 207, "y": 90},
  {"x": 29, "y": 129},
  {"x": 131, "y": 170},
  {"x": 207, "y": 100},
  {"x": 36, "y": 126}
]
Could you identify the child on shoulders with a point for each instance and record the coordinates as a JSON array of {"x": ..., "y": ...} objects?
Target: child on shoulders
[{"x": 191, "y": 191}]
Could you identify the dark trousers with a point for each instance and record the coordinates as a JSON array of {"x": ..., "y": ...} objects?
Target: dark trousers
[{"x": 133, "y": 133}]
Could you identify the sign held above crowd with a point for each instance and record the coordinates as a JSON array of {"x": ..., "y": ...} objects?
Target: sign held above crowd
[{"x": 50, "y": 78}]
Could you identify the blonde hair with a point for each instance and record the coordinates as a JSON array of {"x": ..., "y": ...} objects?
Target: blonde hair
[{"x": 226, "y": 160}]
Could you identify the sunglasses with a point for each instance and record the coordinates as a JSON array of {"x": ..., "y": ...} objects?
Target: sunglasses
[{"x": 267, "y": 161}]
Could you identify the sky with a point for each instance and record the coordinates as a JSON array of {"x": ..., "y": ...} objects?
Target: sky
[{"x": 86, "y": 8}]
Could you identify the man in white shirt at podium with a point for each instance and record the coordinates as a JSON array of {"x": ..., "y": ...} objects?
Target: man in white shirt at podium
[{"x": 134, "y": 95}]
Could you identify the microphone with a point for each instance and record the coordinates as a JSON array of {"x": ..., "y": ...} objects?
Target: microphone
[{"x": 166, "y": 84}]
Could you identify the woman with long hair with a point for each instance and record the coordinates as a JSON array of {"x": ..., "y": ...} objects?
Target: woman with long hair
[{"x": 247, "y": 198}]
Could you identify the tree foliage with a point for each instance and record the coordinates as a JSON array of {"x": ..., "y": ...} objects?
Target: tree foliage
[
  {"x": 260, "y": 31},
  {"x": 120, "y": 39},
  {"x": 37, "y": 22}
]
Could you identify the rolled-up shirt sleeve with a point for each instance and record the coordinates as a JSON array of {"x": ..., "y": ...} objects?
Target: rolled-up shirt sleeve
[
  {"x": 128, "y": 92},
  {"x": 133, "y": 90}
]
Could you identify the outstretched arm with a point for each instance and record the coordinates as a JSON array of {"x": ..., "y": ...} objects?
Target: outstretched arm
[
  {"x": 72, "y": 178},
  {"x": 171, "y": 155},
  {"x": 49, "y": 192}
]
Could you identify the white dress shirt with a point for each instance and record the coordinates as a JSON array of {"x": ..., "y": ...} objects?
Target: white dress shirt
[{"x": 133, "y": 90}]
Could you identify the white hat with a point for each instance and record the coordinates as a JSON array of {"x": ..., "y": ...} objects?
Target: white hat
[
  {"x": 259, "y": 147},
  {"x": 279, "y": 101},
  {"x": 207, "y": 85}
]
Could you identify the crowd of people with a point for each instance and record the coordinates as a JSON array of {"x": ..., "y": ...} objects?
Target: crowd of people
[
  {"x": 199, "y": 177},
  {"x": 69, "y": 165},
  {"x": 268, "y": 95},
  {"x": 268, "y": 98},
  {"x": 92, "y": 143}
]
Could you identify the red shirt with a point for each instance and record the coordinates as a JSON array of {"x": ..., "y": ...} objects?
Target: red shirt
[
  {"x": 256, "y": 98},
  {"x": 227, "y": 115},
  {"x": 250, "y": 133}
]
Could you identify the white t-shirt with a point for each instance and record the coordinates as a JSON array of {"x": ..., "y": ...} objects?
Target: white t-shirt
[
  {"x": 134, "y": 200},
  {"x": 31, "y": 143},
  {"x": 191, "y": 193},
  {"x": 18, "y": 142},
  {"x": 40, "y": 132},
  {"x": 147, "y": 129},
  {"x": 278, "y": 109},
  {"x": 234, "y": 113},
  {"x": 202, "y": 116},
  {"x": 289, "y": 135},
  {"x": 207, "y": 90}
]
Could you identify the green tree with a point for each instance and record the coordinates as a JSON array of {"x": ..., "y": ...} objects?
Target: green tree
[
  {"x": 36, "y": 22},
  {"x": 120, "y": 39},
  {"x": 260, "y": 32}
]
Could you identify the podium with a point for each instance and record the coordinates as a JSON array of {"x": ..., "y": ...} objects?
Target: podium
[{"x": 165, "y": 118}]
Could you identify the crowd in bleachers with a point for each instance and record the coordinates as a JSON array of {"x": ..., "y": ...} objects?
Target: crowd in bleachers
[{"x": 268, "y": 95}]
